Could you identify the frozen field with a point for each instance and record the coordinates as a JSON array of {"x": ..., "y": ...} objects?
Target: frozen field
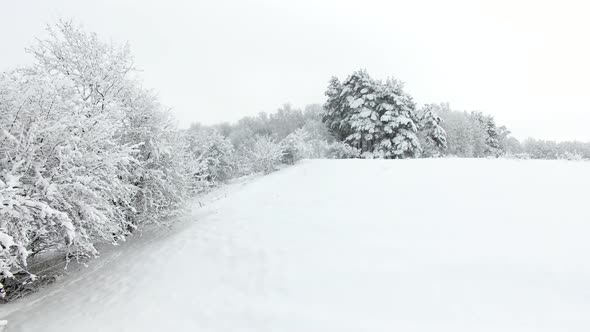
[{"x": 350, "y": 245}]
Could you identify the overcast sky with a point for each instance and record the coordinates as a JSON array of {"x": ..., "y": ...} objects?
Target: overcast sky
[{"x": 525, "y": 62}]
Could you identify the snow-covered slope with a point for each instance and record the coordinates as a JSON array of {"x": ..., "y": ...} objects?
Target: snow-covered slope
[{"x": 350, "y": 245}]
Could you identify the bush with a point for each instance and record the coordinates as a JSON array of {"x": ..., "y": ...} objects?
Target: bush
[
  {"x": 298, "y": 145},
  {"x": 340, "y": 150},
  {"x": 294, "y": 147},
  {"x": 210, "y": 158},
  {"x": 571, "y": 156},
  {"x": 263, "y": 156},
  {"x": 522, "y": 155},
  {"x": 159, "y": 175},
  {"x": 86, "y": 155}
]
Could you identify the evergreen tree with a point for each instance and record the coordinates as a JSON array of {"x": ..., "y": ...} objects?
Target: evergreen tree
[
  {"x": 377, "y": 118},
  {"x": 492, "y": 137},
  {"x": 435, "y": 136},
  {"x": 487, "y": 135},
  {"x": 399, "y": 120},
  {"x": 360, "y": 93},
  {"x": 335, "y": 110}
]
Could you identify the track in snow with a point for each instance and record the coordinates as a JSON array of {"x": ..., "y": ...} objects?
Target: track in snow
[{"x": 350, "y": 245}]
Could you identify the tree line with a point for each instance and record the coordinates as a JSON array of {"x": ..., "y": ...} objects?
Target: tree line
[{"x": 383, "y": 121}]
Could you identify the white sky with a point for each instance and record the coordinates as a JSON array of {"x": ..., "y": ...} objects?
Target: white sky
[{"x": 525, "y": 62}]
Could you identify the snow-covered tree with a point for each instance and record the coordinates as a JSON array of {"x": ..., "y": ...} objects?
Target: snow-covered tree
[
  {"x": 313, "y": 124},
  {"x": 399, "y": 120},
  {"x": 336, "y": 111},
  {"x": 210, "y": 158},
  {"x": 459, "y": 129},
  {"x": 264, "y": 155},
  {"x": 86, "y": 154},
  {"x": 471, "y": 134},
  {"x": 295, "y": 146},
  {"x": 285, "y": 121},
  {"x": 302, "y": 144},
  {"x": 487, "y": 135},
  {"x": 492, "y": 137},
  {"x": 360, "y": 94},
  {"x": 378, "y": 118},
  {"x": 435, "y": 137},
  {"x": 160, "y": 175},
  {"x": 66, "y": 170}
]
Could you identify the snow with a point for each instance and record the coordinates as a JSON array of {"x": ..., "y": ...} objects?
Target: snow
[
  {"x": 366, "y": 112},
  {"x": 6, "y": 240},
  {"x": 387, "y": 107},
  {"x": 349, "y": 245},
  {"x": 357, "y": 103}
]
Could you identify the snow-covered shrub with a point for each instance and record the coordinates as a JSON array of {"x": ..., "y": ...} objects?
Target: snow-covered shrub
[
  {"x": 65, "y": 173},
  {"x": 302, "y": 144},
  {"x": 293, "y": 147},
  {"x": 371, "y": 155},
  {"x": 159, "y": 175},
  {"x": 264, "y": 155},
  {"x": 341, "y": 150},
  {"x": 571, "y": 156},
  {"x": 85, "y": 155},
  {"x": 210, "y": 158},
  {"x": 522, "y": 155},
  {"x": 317, "y": 148},
  {"x": 299, "y": 145}
]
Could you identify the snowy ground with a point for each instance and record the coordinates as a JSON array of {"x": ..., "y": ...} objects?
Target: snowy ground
[{"x": 350, "y": 245}]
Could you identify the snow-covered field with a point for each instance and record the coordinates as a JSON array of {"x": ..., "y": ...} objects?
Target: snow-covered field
[{"x": 350, "y": 245}]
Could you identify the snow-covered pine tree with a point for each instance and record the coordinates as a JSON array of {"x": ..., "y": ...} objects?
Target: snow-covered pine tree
[
  {"x": 399, "y": 122},
  {"x": 360, "y": 94},
  {"x": 493, "y": 137},
  {"x": 486, "y": 136},
  {"x": 377, "y": 118},
  {"x": 478, "y": 131},
  {"x": 435, "y": 136},
  {"x": 335, "y": 110}
]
